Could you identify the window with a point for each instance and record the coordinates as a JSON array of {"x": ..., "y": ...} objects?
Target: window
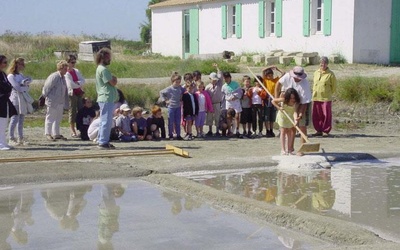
[
  {"x": 317, "y": 12},
  {"x": 270, "y": 15},
  {"x": 232, "y": 19}
]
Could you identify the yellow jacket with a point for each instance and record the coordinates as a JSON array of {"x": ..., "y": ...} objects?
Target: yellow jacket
[{"x": 324, "y": 85}]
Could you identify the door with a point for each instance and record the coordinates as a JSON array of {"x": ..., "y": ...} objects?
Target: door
[
  {"x": 190, "y": 32},
  {"x": 395, "y": 33}
]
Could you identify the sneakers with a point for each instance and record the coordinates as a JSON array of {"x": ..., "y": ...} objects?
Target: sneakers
[
  {"x": 13, "y": 142},
  {"x": 260, "y": 134},
  {"x": 217, "y": 134},
  {"x": 317, "y": 134},
  {"x": 187, "y": 137},
  {"x": 249, "y": 134},
  {"x": 209, "y": 134},
  {"x": 50, "y": 138},
  {"x": 60, "y": 137},
  {"x": 238, "y": 135},
  {"x": 179, "y": 138},
  {"x": 325, "y": 135},
  {"x": 4, "y": 147},
  {"x": 23, "y": 142},
  {"x": 105, "y": 146}
]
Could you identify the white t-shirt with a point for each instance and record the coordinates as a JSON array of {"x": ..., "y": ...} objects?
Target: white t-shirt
[
  {"x": 202, "y": 102},
  {"x": 302, "y": 87},
  {"x": 256, "y": 99}
]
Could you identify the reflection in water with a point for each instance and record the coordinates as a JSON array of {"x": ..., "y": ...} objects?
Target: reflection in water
[
  {"x": 15, "y": 214},
  {"x": 176, "y": 200},
  {"x": 108, "y": 215},
  {"x": 65, "y": 204},
  {"x": 368, "y": 195}
]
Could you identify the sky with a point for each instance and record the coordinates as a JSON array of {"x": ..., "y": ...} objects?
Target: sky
[{"x": 120, "y": 18}]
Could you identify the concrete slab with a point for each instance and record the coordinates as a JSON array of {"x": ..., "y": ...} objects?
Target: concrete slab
[
  {"x": 257, "y": 59},
  {"x": 285, "y": 60},
  {"x": 271, "y": 60}
]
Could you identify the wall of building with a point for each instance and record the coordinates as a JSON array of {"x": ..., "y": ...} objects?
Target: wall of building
[
  {"x": 211, "y": 41},
  {"x": 372, "y": 31},
  {"x": 167, "y": 31}
]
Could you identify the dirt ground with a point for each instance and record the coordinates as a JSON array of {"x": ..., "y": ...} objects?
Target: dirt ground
[{"x": 359, "y": 133}]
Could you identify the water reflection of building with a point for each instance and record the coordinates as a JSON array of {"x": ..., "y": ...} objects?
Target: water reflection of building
[
  {"x": 109, "y": 215},
  {"x": 369, "y": 196}
]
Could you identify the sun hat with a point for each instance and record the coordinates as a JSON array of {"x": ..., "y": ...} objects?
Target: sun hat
[
  {"x": 125, "y": 107},
  {"x": 298, "y": 73},
  {"x": 214, "y": 76}
]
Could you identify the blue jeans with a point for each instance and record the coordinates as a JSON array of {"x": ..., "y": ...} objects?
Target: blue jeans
[
  {"x": 16, "y": 121},
  {"x": 106, "y": 121},
  {"x": 174, "y": 121}
]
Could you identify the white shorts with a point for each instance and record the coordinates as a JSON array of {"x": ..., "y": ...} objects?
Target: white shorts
[{"x": 235, "y": 105}]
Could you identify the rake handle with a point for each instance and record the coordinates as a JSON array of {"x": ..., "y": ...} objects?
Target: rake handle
[{"x": 272, "y": 97}]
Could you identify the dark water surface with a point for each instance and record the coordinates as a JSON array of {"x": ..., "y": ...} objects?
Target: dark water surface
[
  {"x": 367, "y": 193},
  {"x": 127, "y": 215}
]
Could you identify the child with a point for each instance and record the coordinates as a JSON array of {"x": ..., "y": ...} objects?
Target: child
[
  {"x": 123, "y": 125},
  {"x": 214, "y": 89},
  {"x": 290, "y": 102},
  {"x": 226, "y": 120},
  {"x": 155, "y": 123},
  {"x": 84, "y": 117},
  {"x": 190, "y": 109},
  {"x": 139, "y": 124},
  {"x": 269, "y": 109},
  {"x": 187, "y": 79},
  {"x": 232, "y": 94},
  {"x": 205, "y": 106},
  {"x": 246, "y": 116},
  {"x": 257, "y": 94},
  {"x": 172, "y": 95}
]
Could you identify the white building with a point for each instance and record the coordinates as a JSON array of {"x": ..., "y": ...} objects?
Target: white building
[{"x": 362, "y": 31}]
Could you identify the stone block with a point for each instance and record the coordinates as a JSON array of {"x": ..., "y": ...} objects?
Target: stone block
[
  {"x": 314, "y": 60},
  {"x": 307, "y": 54},
  {"x": 244, "y": 59},
  {"x": 280, "y": 53},
  {"x": 271, "y": 60},
  {"x": 301, "y": 60},
  {"x": 269, "y": 53},
  {"x": 285, "y": 60},
  {"x": 291, "y": 53},
  {"x": 334, "y": 58},
  {"x": 258, "y": 59}
]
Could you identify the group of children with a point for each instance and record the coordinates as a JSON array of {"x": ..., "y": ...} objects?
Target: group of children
[{"x": 222, "y": 103}]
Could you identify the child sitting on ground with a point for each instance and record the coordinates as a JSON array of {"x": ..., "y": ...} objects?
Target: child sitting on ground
[
  {"x": 190, "y": 109},
  {"x": 155, "y": 123},
  {"x": 139, "y": 124},
  {"x": 84, "y": 117},
  {"x": 205, "y": 106},
  {"x": 123, "y": 125},
  {"x": 246, "y": 116},
  {"x": 290, "y": 101},
  {"x": 226, "y": 120}
]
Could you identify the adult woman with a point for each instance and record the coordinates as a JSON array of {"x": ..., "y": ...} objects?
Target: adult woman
[
  {"x": 55, "y": 91},
  {"x": 21, "y": 100},
  {"x": 7, "y": 109},
  {"x": 75, "y": 82},
  {"x": 323, "y": 89}
]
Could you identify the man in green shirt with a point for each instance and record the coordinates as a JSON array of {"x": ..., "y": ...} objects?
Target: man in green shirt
[{"x": 107, "y": 95}]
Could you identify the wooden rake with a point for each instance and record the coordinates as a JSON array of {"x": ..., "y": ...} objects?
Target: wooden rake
[
  {"x": 308, "y": 146},
  {"x": 169, "y": 149}
]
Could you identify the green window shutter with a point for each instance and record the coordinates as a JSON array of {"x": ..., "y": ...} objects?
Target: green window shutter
[
  {"x": 194, "y": 31},
  {"x": 327, "y": 17},
  {"x": 278, "y": 18},
  {"x": 261, "y": 19},
  {"x": 238, "y": 20},
  {"x": 306, "y": 17},
  {"x": 224, "y": 22}
]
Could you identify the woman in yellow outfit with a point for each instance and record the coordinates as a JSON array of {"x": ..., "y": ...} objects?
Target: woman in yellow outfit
[{"x": 323, "y": 90}]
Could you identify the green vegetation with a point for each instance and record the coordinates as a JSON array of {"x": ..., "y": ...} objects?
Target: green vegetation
[{"x": 367, "y": 90}]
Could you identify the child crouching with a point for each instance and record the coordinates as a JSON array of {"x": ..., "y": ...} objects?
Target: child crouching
[
  {"x": 123, "y": 125},
  {"x": 139, "y": 124},
  {"x": 155, "y": 123},
  {"x": 84, "y": 117},
  {"x": 226, "y": 120}
]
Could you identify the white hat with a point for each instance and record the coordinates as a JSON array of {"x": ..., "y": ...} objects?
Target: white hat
[
  {"x": 214, "y": 76},
  {"x": 125, "y": 107},
  {"x": 298, "y": 72}
]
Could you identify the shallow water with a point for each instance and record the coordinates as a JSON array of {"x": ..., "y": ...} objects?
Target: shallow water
[
  {"x": 126, "y": 215},
  {"x": 367, "y": 193}
]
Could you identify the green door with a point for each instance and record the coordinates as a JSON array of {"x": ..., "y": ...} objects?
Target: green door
[
  {"x": 190, "y": 32},
  {"x": 395, "y": 33}
]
